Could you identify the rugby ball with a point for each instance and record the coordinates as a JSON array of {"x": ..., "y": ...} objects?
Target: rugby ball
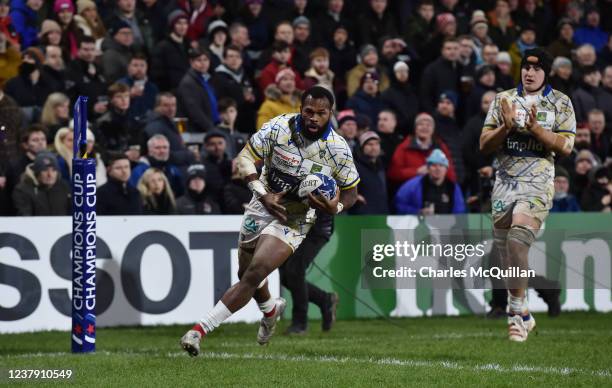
[{"x": 317, "y": 184}]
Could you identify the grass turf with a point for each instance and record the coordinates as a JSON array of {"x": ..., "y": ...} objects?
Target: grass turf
[{"x": 574, "y": 349}]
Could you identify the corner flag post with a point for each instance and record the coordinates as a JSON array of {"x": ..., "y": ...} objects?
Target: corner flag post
[{"x": 83, "y": 331}]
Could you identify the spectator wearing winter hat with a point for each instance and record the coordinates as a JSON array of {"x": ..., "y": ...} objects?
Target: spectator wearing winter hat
[
  {"x": 479, "y": 28},
  {"x": 141, "y": 29},
  {"x": 441, "y": 75},
  {"x": 24, "y": 18},
  {"x": 376, "y": 22},
  {"x": 564, "y": 45},
  {"x": 88, "y": 19},
  {"x": 280, "y": 59},
  {"x": 280, "y": 97},
  {"x": 30, "y": 87},
  {"x": 170, "y": 60},
  {"x": 367, "y": 99},
  {"x": 118, "y": 51},
  {"x": 71, "y": 33},
  {"x": 41, "y": 191},
  {"x": 502, "y": 29},
  {"x": 347, "y": 127},
  {"x": 591, "y": 31},
  {"x": 446, "y": 28},
  {"x": 584, "y": 163},
  {"x": 449, "y": 131},
  {"x": 401, "y": 97},
  {"x": 368, "y": 63},
  {"x": 409, "y": 157},
  {"x": 561, "y": 75},
  {"x": 503, "y": 71},
  {"x": 372, "y": 188},
  {"x": 50, "y": 33},
  {"x": 196, "y": 95},
  {"x": 196, "y": 199},
  {"x": 117, "y": 197},
  {"x": 563, "y": 201},
  {"x": 432, "y": 193},
  {"x": 216, "y": 39},
  {"x": 598, "y": 195},
  {"x": 302, "y": 44}
]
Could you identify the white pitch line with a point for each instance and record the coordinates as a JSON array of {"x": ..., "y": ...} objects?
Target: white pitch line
[{"x": 445, "y": 364}]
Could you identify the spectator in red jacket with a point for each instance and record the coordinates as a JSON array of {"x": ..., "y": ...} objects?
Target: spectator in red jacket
[
  {"x": 409, "y": 158},
  {"x": 281, "y": 57}
]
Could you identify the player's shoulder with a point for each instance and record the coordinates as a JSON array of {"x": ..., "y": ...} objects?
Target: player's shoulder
[
  {"x": 509, "y": 93},
  {"x": 280, "y": 123},
  {"x": 336, "y": 141},
  {"x": 558, "y": 97}
]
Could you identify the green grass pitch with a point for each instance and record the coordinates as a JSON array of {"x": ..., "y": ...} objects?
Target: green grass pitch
[{"x": 574, "y": 349}]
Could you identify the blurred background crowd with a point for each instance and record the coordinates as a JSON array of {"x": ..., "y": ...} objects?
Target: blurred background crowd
[{"x": 176, "y": 88}]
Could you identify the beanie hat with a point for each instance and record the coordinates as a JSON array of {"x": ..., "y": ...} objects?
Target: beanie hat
[
  {"x": 49, "y": 26},
  {"x": 449, "y": 95},
  {"x": 478, "y": 17},
  {"x": 366, "y": 49},
  {"x": 216, "y": 25},
  {"x": 118, "y": 25},
  {"x": 437, "y": 157},
  {"x": 560, "y": 171},
  {"x": 400, "y": 65},
  {"x": 444, "y": 19},
  {"x": 368, "y": 75},
  {"x": 83, "y": 5},
  {"x": 196, "y": 171},
  {"x": 300, "y": 20},
  {"x": 367, "y": 136},
  {"x": 44, "y": 160},
  {"x": 283, "y": 73},
  {"x": 63, "y": 5},
  {"x": 175, "y": 16}
]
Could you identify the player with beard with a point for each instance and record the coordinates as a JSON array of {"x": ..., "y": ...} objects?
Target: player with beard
[
  {"x": 527, "y": 126},
  {"x": 276, "y": 220}
]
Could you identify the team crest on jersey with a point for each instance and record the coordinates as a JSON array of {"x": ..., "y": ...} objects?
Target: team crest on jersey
[
  {"x": 316, "y": 168},
  {"x": 541, "y": 116},
  {"x": 321, "y": 154},
  {"x": 498, "y": 205},
  {"x": 250, "y": 225}
]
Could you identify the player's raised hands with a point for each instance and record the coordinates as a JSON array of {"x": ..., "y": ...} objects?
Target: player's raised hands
[
  {"x": 329, "y": 206},
  {"x": 532, "y": 121},
  {"x": 271, "y": 202},
  {"x": 508, "y": 113}
]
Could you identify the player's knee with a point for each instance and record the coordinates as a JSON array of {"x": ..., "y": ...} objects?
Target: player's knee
[
  {"x": 255, "y": 274},
  {"x": 521, "y": 234}
]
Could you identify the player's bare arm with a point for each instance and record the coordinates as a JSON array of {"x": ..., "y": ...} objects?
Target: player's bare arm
[
  {"x": 552, "y": 141},
  {"x": 491, "y": 140}
]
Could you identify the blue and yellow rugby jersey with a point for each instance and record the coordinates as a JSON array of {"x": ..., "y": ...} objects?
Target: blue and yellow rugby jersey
[
  {"x": 288, "y": 156},
  {"x": 522, "y": 157}
]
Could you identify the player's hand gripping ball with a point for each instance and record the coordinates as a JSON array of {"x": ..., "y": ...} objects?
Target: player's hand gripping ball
[{"x": 318, "y": 184}]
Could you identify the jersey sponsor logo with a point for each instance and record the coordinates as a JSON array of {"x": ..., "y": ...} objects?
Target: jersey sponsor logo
[
  {"x": 524, "y": 145},
  {"x": 286, "y": 158},
  {"x": 281, "y": 181}
]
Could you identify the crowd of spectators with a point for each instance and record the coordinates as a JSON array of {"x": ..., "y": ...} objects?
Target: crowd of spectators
[{"x": 176, "y": 87}]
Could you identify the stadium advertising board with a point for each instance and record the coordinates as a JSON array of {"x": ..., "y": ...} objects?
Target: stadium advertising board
[{"x": 164, "y": 270}]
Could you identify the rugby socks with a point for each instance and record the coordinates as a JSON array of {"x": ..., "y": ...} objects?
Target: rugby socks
[
  {"x": 268, "y": 308},
  {"x": 218, "y": 314},
  {"x": 518, "y": 305}
]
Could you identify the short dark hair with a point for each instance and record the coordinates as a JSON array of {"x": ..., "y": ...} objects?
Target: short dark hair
[
  {"x": 225, "y": 103},
  {"x": 161, "y": 95},
  {"x": 449, "y": 39},
  {"x": 86, "y": 39},
  {"x": 28, "y": 131},
  {"x": 319, "y": 92},
  {"x": 231, "y": 47},
  {"x": 280, "y": 45},
  {"x": 139, "y": 56},
  {"x": 114, "y": 156}
]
